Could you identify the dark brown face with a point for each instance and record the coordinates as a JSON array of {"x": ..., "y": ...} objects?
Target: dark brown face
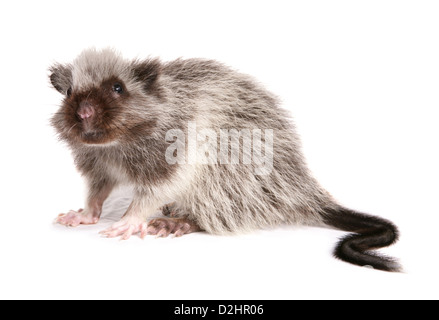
[
  {"x": 98, "y": 107},
  {"x": 93, "y": 116}
]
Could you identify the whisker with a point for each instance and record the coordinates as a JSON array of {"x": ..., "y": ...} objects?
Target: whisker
[
  {"x": 68, "y": 132},
  {"x": 86, "y": 99}
]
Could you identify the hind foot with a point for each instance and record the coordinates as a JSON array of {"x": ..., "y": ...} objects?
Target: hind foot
[{"x": 163, "y": 227}]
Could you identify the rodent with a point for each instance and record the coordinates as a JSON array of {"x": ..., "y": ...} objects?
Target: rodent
[{"x": 115, "y": 117}]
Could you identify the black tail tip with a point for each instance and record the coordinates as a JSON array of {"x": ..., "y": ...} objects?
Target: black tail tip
[
  {"x": 347, "y": 251},
  {"x": 368, "y": 233}
]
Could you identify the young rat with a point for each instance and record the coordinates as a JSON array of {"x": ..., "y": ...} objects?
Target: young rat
[{"x": 126, "y": 121}]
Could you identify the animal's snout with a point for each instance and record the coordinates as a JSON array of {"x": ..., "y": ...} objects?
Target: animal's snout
[{"x": 85, "y": 110}]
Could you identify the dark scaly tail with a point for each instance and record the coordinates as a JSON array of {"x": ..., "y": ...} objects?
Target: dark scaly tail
[{"x": 369, "y": 233}]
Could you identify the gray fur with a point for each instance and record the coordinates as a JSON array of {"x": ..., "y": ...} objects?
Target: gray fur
[{"x": 219, "y": 198}]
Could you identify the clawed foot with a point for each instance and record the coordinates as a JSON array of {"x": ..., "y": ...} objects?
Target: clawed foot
[
  {"x": 158, "y": 227},
  {"x": 125, "y": 228},
  {"x": 178, "y": 226},
  {"x": 75, "y": 218}
]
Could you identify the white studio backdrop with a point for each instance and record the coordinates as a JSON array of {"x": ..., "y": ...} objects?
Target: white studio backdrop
[{"x": 361, "y": 79}]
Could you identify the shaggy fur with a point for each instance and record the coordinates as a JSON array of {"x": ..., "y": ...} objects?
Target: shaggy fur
[{"x": 127, "y": 145}]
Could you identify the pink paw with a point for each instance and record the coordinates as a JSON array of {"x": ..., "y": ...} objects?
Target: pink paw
[
  {"x": 125, "y": 228},
  {"x": 75, "y": 218}
]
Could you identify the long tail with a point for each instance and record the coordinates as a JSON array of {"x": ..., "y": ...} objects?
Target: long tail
[{"x": 369, "y": 232}]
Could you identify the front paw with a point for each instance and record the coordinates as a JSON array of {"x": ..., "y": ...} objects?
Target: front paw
[
  {"x": 75, "y": 218},
  {"x": 125, "y": 228}
]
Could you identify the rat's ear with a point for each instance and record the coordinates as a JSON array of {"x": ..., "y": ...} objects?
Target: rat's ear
[
  {"x": 61, "y": 77},
  {"x": 147, "y": 72}
]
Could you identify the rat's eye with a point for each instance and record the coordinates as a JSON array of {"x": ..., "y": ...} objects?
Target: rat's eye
[
  {"x": 69, "y": 92},
  {"x": 117, "y": 87}
]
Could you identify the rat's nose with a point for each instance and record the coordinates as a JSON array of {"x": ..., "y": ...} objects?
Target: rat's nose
[{"x": 85, "y": 110}]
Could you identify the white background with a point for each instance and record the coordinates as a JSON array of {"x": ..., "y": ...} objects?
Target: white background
[{"x": 361, "y": 79}]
